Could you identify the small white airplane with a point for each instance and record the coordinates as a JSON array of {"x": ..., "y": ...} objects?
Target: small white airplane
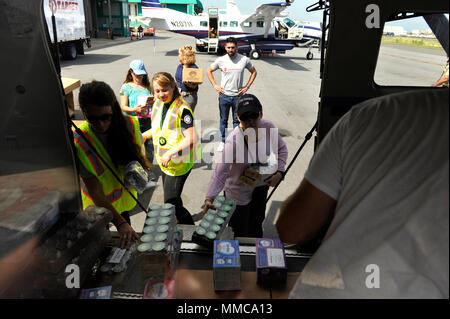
[{"x": 267, "y": 30}]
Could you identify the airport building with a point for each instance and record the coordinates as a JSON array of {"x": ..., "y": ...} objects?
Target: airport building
[
  {"x": 394, "y": 30},
  {"x": 192, "y": 7},
  {"x": 118, "y": 15}
]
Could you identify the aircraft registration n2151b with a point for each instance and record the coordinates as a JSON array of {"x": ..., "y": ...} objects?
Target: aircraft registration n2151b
[{"x": 268, "y": 29}]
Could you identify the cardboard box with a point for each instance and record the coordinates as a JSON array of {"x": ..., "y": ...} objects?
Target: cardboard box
[
  {"x": 192, "y": 75},
  {"x": 226, "y": 265},
  {"x": 271, "y": 263}
]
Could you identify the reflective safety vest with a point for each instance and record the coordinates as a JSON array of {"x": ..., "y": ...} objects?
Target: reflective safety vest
[
  {"x": 114, "y": 192},
  {"x": 170, "y": 135}
]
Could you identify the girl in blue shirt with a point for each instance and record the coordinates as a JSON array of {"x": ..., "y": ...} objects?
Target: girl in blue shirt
[{"x": 136, "y": 99}]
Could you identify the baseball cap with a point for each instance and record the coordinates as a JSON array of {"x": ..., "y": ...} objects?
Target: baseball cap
[
  {"x": 248, "y": 103},
  {"x": 138, "y": 67}
]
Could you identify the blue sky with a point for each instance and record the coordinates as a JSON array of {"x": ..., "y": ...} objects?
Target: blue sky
[{"x": 297, "y": 11}]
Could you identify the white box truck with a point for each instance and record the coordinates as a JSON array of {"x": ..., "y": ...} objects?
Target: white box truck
[{"x": 70, "y": 26}]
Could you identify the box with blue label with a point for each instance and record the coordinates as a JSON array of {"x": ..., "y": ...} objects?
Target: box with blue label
[
  {"x": 271, "y": 264},
  {"x": 226, "y": 265}
]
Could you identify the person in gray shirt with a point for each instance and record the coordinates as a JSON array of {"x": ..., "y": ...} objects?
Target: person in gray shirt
[{"x": 230, "y": 89}]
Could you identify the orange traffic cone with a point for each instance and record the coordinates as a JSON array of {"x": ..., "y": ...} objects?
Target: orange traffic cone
[
  {"x": 109, "y": 35},
  {"x": 131, "y": 35}
]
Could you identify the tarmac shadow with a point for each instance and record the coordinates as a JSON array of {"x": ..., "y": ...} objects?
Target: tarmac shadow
[
  {"x": 286, "y": 63},
  {"x": 172, "y": 53},
  {"x": 93, "y": 58},
  {"x": 157, "y": 38}
]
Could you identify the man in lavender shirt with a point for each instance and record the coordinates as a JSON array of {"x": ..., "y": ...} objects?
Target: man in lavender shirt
[{"x": 254, "y": 142}]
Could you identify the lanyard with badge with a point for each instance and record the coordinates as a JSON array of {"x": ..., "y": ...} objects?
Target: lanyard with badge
[{"x": 162, "y": 140}]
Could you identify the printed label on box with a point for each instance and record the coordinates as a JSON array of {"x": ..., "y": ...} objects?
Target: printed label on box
[
  {"x": 275, "y": 257},
  {"x": 96, "y": 293},
  {"x": 226, "y": 253}
]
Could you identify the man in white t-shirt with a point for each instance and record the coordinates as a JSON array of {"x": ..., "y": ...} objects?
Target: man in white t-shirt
[
  {"x": 381, "y": 177},
  {"x": 232, "y": 66}
]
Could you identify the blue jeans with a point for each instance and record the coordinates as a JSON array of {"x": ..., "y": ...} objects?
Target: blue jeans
[
  {"x": 191, "y": 100},
  {"x": 225, "y": 103}
]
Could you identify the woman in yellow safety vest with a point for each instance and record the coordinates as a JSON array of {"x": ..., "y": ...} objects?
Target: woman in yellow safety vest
[
  {"x": 117, "y": 139},
  {"x": 176, "y": 143}
]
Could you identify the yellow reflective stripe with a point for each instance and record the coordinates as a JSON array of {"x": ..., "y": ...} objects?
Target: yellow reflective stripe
[
  {"x": 115, "y": 195},
  {"x": 91, "y": 156},
  {"x": 111, "y": 198}
]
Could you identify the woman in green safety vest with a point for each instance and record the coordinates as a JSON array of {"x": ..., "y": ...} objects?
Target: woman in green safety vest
[
  {"x": 176, "y": 143},
  {"x": 118, "y": 140}
]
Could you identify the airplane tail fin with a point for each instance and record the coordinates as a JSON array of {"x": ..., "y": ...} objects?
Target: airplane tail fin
[{"x": 232, "y": 8}]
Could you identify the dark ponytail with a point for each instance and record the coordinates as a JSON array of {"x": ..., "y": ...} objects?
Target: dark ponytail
[{"x": 121, "y": 146}]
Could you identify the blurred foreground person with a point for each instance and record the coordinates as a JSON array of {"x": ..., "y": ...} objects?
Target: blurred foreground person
[{"x": 381, "y": 177}]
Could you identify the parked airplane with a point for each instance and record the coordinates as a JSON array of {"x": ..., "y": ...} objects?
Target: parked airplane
[{"x": 268, "y": 29}]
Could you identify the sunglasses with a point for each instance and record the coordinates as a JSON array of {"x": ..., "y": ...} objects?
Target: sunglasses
[
  {"x": 249, "y": 116},
  {"x": 102, "y": 118}
]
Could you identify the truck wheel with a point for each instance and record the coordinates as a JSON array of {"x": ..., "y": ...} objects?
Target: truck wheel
[
  {"x": 200, "y": 48},
  {"x": 80, "y": 47},
  {"x": 255, "y": 54},
  {"x": 69, "y": 51}
]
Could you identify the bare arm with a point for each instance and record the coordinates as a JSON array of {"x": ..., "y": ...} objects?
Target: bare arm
[
  {"x": 252, "y": 77},
  {"x": 304, "y": 213},
  {"x": 217, "y": 87},
  {"x": 95, "y": 190},
  {"x": 441, "y": 80},
  {"x": 124, "y": 104},
  {"x": 244, "y": 89},
  {"x": 147, "y": 134}
]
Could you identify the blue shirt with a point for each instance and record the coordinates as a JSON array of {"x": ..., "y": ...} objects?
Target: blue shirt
[
  {"x": 133, "y": 92},
  {"x": 179, "y": 78}
]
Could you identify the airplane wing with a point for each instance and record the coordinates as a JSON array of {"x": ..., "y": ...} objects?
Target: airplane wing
[{"x": 268, "y": 11}]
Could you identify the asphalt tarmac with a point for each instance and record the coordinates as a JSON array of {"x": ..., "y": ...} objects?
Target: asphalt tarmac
[{"x": 287, "y": 85}]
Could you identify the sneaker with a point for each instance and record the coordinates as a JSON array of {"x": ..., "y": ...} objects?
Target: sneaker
[
  {"x": 150, "y": 184},
  {"x": 220, "y": 147}
]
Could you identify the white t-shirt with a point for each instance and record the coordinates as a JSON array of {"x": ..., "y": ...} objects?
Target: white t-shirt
[
  {"x": 232, "y": 72},
  {"x": 386, "y": 164}
]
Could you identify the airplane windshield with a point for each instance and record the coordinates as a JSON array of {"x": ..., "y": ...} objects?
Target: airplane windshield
[{"x": 289, "y": 22}]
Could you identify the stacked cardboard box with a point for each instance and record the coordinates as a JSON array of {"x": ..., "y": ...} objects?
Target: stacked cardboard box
[
  {"x": 226, "y": 265},
  {"x": 270, "y": 262}
]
